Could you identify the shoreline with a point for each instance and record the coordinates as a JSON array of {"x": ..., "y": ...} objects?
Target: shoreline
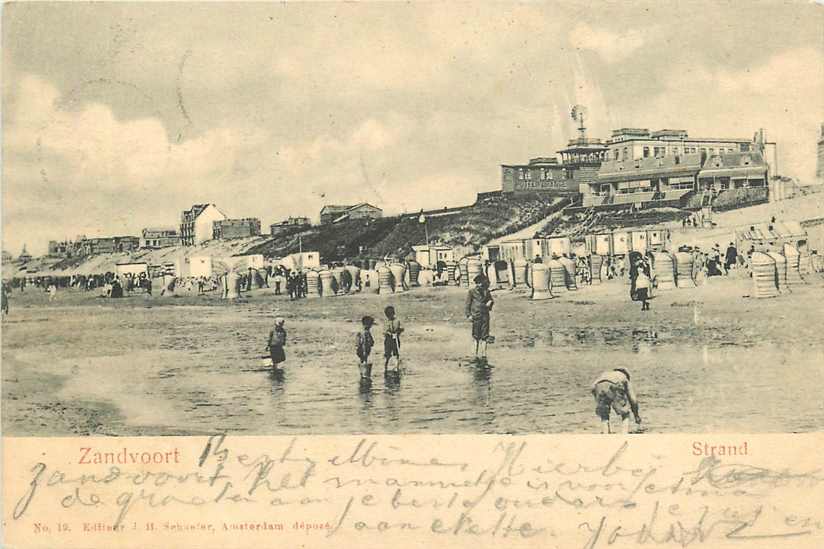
[{"x": 166, "y": 366}]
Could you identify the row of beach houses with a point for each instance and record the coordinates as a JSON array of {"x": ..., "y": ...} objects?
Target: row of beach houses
[{"x": 202, "y": 223}]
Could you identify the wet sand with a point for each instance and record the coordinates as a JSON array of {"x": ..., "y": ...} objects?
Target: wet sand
[{"x": 703, "y": 360}]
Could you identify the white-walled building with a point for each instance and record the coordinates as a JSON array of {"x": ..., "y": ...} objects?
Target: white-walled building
[
  {"x": 193, "y": 266},
  {"x": 428, "y": 256},
  {"x": 197, "y": 223}
]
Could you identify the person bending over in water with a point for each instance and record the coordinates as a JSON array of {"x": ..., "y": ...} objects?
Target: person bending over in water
[
  {"x": 277, "y": 340},
  {"x": 613, "y": 390},
  {"x": 365, "y": 342},
  {"x": 391, "y": 339}
]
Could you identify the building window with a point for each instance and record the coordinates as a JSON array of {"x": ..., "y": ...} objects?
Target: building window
[
  {"x": 712, "y": 150},
  {"x": 646, "y": 152},
  {"x": 675, "y": 150},
  {"x": 521, "y": 175},
  {"x": 703, "y": 150},
  {"x": 626, "y": 153},
  {"x": 730, "y": 150},
  {"x": 617, "y": 154}
]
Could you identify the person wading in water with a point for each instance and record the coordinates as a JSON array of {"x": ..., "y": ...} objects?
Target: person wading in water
[
  {"x": 277, "y": 341},
  {"x": 478, "y": 305}
]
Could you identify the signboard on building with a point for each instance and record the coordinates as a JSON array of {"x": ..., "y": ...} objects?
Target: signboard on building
[{"x": 560, "y": 185}]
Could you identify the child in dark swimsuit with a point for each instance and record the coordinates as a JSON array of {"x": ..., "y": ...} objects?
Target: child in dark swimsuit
[{"x": 364, "y": 344}]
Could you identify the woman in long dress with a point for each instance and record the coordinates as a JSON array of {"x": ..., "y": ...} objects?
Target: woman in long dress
[{"x": 277, "y": 341}]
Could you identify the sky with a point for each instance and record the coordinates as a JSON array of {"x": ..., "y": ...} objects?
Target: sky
[{"x": 117, "y": 117}]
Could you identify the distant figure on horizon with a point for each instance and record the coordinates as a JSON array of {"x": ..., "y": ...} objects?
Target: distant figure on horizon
[
  {"x": 5, "y": 297},
  {"x": 613, "y": 390}
]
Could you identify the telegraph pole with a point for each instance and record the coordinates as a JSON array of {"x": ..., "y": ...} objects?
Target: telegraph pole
[{"x": 425, "y": 222}]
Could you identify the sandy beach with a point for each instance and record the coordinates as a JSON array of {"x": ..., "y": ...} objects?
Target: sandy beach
[{"x": 709, "y": 359}]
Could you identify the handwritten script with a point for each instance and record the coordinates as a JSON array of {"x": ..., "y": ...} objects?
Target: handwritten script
[{"x": 505, "y": 488}]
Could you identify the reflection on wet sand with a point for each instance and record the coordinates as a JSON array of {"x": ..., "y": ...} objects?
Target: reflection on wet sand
[{"x": 182, "y": 368}]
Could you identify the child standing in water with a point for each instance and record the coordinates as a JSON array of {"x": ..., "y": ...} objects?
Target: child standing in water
[
  {"x": 277, "y": 340},
  {"x": 391, "y": 339},
  {"x": 365, "y": 342},
  {"x": 478, "y": 305}
]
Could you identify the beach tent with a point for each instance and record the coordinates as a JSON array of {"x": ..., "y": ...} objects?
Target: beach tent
[{"x": 771, "y": 236}]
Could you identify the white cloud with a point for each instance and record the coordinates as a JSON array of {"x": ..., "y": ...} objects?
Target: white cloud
[
  {"x": 783, "y": 95},
  {"x": 104, "y": 151},
  {"x": 87, "y": 171},
  {"x": 611, "y": 46},
  {"x": 370, "y": 136}
]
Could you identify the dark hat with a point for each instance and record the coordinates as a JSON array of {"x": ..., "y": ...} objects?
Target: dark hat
[
  {"x": 480, "y": 279},
  {"x": 367, "y": 320}
]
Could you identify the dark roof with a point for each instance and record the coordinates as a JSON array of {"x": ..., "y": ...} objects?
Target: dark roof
[
  {"x": 735, "y": 160},
  {"x": 634, "y": 131},
  {"x": 543, "y": 160},
  {"x": 535, "y": 163},
  {"x": 641, "y": 168},
  {"x": 362, "y": 204},
  {"x": 197, "y": 208},
  {"x": 330, "y": 208},
  {"x": 735, "y": 164},
  {"x": 193, "y": 212},
  {"x": 334, "y": 208}
]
